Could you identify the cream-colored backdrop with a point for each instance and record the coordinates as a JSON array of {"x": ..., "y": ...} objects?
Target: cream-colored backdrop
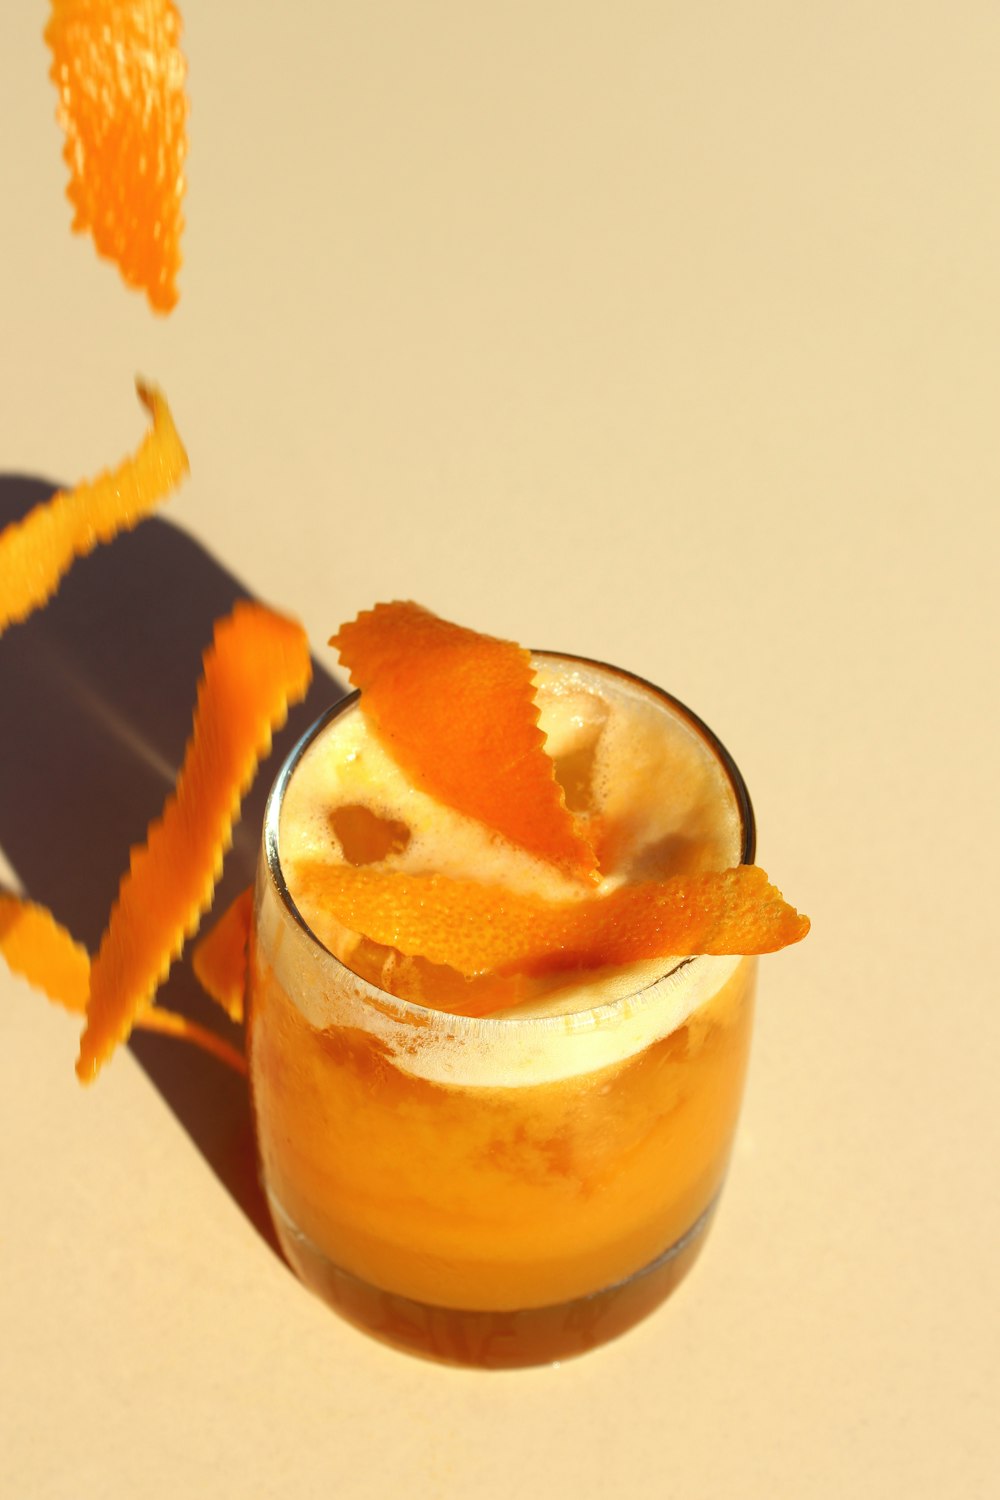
[{"x": 665, "y": 334}]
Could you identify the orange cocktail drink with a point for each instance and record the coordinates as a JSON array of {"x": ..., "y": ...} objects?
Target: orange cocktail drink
[{"x": 497, "y": 1169}]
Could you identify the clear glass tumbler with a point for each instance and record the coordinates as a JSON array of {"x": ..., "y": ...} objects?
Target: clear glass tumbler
[{"x": 500, "y": 1191}]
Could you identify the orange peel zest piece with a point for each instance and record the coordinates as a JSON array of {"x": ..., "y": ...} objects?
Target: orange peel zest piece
[
  {"x": 456, "y": 710},
  {"x": 37, "y": 552},
  {"x": 481, "y": 929},
  {"x": 44, "y": 953},
  {"x": 258, "y": 664},
  {"x": 170, "y": 1023},
  {"x": 41, "y": 950},
  {"x": 219, "y": 958},
  {"x": 120, "y": 75}
]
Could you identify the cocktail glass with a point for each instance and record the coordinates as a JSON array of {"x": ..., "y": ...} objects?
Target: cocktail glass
[{"x": 497, "y": 1191}]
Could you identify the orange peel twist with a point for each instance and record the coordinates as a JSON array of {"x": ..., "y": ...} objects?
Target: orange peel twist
[
  {"x": 456, "y": 710},
  {"x": 44, "y": 953},
  {"x": 120, "y": 75},
  {"x": 258, "y": 664},
  {"x": 219, "y": 958},
  {"x": 481, "y": 929},
  {"x": 37, "y": 551},
  {"x": 41, "y": 950}
]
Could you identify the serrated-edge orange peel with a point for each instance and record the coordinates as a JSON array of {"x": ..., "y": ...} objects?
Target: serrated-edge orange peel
[
  {"x": 44, "y": 953},
  {"x": 41, "y": 950},
  {"x": 120, "y": 75},
  {"x": 219, "y": 959},
  {"x": 257, "y": 665},
  {"x": 456, "y": 711},
  {"x": 480, "y": 929},
  {"x": 37, "y": 551}
]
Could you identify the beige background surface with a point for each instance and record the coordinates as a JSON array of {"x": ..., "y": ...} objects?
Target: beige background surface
[{"x": 666, "y": 334}]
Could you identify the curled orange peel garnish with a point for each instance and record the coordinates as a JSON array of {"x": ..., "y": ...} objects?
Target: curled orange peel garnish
[
  {"x": 258, "y": 664},
  {"x": 44, "y": 953},
  {"x": 37, "y": 551},
  {"x": 219, "y": 959},
  {"x": 170, "y": 1023},
  {"x": 41, "y": 950},
  {"x": 120, "y": 75},
  {"x": 456, "y": 711},
  {"x": 480, "y": 929}
]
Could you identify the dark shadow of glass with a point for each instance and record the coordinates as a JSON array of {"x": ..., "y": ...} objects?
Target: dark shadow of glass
[{"x": 97, "y": 692}]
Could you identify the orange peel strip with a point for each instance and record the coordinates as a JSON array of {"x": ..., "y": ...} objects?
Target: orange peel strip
[
  {"x": 44, "y": 953},
  {"x": 120, "y": 73},
  {"x": 37, "y": 552},
  {"x": 169, "y": 1023},
  {"x": 258, "y": 664},
  {"x": 219, "y": 959},
  {"x": 456, "y": 710},
  {"x": 41, "y": 950},
  {"x": 485, "y": 929}
]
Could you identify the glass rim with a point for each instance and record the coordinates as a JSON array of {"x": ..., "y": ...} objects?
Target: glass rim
[{"x": 423, "y": 1014}]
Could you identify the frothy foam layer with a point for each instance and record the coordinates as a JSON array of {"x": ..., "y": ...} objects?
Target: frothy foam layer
[
  {"x": 494, "y": 1052},
  {"x": 657, "y": 801}
]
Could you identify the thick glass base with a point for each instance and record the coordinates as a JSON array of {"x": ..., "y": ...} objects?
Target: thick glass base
[{"x": 492, "y": 1340}]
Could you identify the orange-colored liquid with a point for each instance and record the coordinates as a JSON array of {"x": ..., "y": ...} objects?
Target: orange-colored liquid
[
  {"x": 490, "y": 1215},
  {"x": 484, "y": 1199}
]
